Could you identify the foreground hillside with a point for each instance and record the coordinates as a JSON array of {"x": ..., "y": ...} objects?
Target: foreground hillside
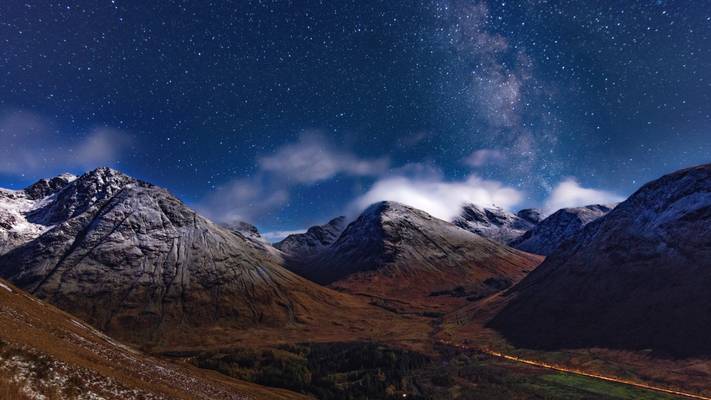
[{"x": 46, "y": 353}]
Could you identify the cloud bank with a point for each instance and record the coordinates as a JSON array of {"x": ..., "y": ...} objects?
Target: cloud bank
[
  {"x": 313, "y": 158},
  {"x": 569, "y": 193},
  {"x": 31, "y": 147},
  {"x": 440, "y": 198}
]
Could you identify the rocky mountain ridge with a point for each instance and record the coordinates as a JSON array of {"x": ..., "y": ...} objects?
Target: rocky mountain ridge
[
  {"x": 18, "y": 211},
  {"x": 543, "y": 238},
  {"x": 314, "y": 240},
  {"x": 496, "y": 223}
]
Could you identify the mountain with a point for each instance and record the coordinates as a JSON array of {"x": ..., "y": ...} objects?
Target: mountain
[
  {"x": 244, "y": 229},
  {"x": 637, "y": 278},
  {"x": 134, "y": 261},
  {"x": 397, "y": 252},
  {"x": 532, "y": 215},
  {"x": 314, "y": 240},
  {"x": 47, "y": 353},
  {"x": 495, "y": 223},
  {"x": 548, "y": 234},
  {"x": 16, "y": 205}
]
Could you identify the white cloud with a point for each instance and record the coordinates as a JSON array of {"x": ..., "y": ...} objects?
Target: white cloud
[
  {"x": 440, "y": 198},
  {"x": 482, "y": 157},
  {"x": 569, "y": 193},
  {"x": 242, "y": 200},
  {"x": 31, "y": 147},
  {"x": 312, "y": 159},
  {"x": 275, "y": 236}
]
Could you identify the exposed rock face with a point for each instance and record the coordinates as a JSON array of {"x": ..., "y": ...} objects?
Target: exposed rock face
[
  {"x": 314, "y": 240},
  {"x": 245, "y": 230},
  {"x": 495, "y": 223},
  {"x": 547, "y": 235},
  {"x": 396, "y": 251},
  {"x": 637, "y": 278},
  {"x": 134, "y": 261},
  {"x": 16, "y": 207},
  {"x": 532, "y": 215},
  {"x": 46, "y": 187}
]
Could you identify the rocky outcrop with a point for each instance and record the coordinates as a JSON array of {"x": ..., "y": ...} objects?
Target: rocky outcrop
[
  {"x": 46, "y": 187},
  {"x": 314, "y": 240},
  {"x": 16, "y": 207},
  {"x": 532, "y": 215},
  {"x": 245, "y": 230},
  {"x": 495, "y": 223},
  {"x": 549, "y": 233},
  {"x": 637, "y": 278}
]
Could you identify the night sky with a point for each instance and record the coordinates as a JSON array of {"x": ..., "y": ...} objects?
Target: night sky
[{"x": 288, "y": 113}]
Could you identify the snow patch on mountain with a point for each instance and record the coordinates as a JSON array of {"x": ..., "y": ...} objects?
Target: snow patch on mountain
[
  {"x": 495, "y": 223},
  {"x": 314, "y": 240},
  {"x": 546, "y": 236}
]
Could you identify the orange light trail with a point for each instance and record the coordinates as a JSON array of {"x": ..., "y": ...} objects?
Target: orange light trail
[{"x": 607, "y": 378}]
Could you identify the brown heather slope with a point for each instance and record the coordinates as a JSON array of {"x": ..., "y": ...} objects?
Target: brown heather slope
[
  {"x": 406, "y": 259},
  {"x": 45, "y": 351}
]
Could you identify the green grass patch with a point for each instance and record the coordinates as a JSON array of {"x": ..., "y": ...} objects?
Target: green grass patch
[{"x": 609, "y": 390}]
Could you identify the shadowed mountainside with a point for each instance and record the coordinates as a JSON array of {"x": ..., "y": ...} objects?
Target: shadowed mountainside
[{"x": 637, "y": 278}]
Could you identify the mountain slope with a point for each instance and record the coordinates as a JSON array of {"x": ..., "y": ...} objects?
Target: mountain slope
[
  {"x": 397, "y": 252},
  {"x": 637, "y": 278},
  {"x": 245, "y": 230},
  {"x": 137, "y": 263},
  {"x": 495, "y": 223},
  {"x": 16, "y": 227},
  {"x": 314, "y": 240},
  {"x": 548, "y": 234},
  {"x": 47, "y": 352}
]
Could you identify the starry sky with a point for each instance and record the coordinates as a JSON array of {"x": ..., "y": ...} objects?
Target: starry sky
[{"x": 286, "y": 113}]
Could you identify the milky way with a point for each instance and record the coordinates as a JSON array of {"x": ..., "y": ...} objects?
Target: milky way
[{"x": 209, "y": 99}]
